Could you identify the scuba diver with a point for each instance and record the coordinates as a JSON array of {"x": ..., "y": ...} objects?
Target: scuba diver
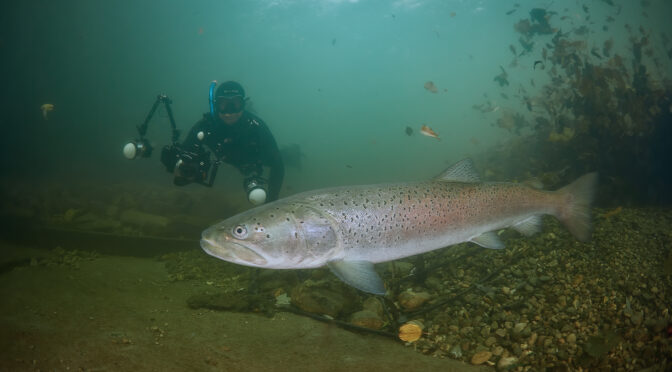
[{"x": 235, "y": 136}]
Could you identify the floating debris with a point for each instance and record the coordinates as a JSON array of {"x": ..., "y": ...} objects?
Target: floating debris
[{"x": 45, "y": 110}]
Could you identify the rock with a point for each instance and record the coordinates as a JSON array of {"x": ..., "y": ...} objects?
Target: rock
[
  {"x": 636, "y": 318},
  {"x": 519, "y": 327},
  {"x": 490, "y": 341},
  {"x": 434, "y": 283},
  {"x": 571, "y": 338},
  {"x": 545, "y": 278},
  {"x": 501, "y": 332},
  {"x": 373, "y": 305},
  {"x": 401, "y": 268},
  {"x": 533, "y": 339},
  {"x": 320, "y": 299},
  {"x": 410, "y": 300},
  {"x": 507, "y": 363},
  {"x": 481, "y": 357},
  {"x": 485, "y": 331},
  {"x": 497, "y": 351},
  {"x": 455, "y": 352},
  {"x": 367, "y": 319}
]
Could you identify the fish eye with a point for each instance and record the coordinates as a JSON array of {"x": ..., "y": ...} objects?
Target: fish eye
[{"x": 240, "y": 232}]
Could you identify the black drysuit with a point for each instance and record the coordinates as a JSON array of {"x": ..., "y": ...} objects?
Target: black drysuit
[{"x": 247, "y": 145}]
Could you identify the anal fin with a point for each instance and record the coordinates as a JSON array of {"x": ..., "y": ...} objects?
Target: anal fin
[
  {"x": 528, "y": 226},
  {"x": 488, "y": 240}
]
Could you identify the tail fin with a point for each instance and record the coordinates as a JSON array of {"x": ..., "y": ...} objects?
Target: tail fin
[{"x": 575, "y": 210}]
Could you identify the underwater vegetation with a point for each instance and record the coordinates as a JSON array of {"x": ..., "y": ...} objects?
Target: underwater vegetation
[{"x": 600, "y": 111}]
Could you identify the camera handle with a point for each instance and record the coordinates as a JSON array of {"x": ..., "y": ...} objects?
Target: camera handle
[
  {"x": 161, "y": 98},
  {"x": 213, "y": 174}
]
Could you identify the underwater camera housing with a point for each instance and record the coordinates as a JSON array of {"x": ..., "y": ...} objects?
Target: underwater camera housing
[{"x": 193, "y": 167}]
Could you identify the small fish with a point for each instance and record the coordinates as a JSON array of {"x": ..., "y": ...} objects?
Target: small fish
[
  {"x": 45, "y": 110},
  {"x": 594, "y": 52},
  {"x": 409, "y": 131},
  {"x": 538, "y": 62},
  {"x": 427, "y": 131},
  {"x": 511, "y": 11},
  {"x": 429, "y": 85},
  {"x": 503, "y": 78}
]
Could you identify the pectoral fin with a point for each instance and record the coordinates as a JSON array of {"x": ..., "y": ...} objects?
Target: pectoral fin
[
  {"x": 359, "y": 274},
  {"x": 488, "y": 240}
]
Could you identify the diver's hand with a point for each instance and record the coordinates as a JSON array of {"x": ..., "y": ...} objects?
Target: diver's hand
[{"x": 184, "y": 173}]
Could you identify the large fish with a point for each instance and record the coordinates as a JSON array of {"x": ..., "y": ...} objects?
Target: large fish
[{"x": 351, "y": 228}]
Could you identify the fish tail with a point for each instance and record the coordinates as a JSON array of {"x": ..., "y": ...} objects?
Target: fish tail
[{"x": 574, "y": 211}]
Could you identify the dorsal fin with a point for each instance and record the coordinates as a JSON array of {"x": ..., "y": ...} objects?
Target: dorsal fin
[{"x": 462, "y": 171}]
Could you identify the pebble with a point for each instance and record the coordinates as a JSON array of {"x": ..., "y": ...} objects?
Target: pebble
[
  {"x": 636, "y": 318},
  {"x": 571, "y": 338},
  {"x": 497, "y": 351},
  {"x": 481, "y": 357},
  {"x": 507, "y": 363},
  {"x": 533, "y": 339},
  {"x": 455, "y": 352},
  {"x": 519, "y": 327}
]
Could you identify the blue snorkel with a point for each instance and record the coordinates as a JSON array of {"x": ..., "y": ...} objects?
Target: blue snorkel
[{"x": 211, "y": 98}]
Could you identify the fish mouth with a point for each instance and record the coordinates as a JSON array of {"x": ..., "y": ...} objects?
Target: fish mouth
[{"x": 232, "y": 252}]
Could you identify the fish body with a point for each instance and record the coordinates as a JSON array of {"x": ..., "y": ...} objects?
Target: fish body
[{"x": 351, "y": 228}]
